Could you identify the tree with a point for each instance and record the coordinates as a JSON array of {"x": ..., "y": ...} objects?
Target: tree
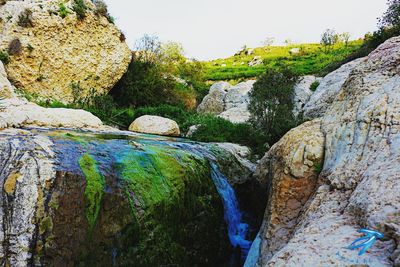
[
  {"x": 345, "y": 37},
  {"x": 391, "y": 18},
  {"x": 329, "y": 38},
  {"x": 147, "y": 48},
  {"x": 271, "y": 103}
]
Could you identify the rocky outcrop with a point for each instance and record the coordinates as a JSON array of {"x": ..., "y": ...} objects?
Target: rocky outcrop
[
  {"x": 293, "y": 163},
  {"x": 302, "y": 93},
  {"x": 21, "y": 113},
  {"x": 328, "y": 90},
  {"x": 228, "y": 102},
  {"x": 6, "y": 89},
  {"x": 72, "y": 198},
  {"x": 155, "y": 125},
  {"x": 214, "y": 102},
  {"x": 61, "y": 58},
  {"x": 359, "y": 183}
]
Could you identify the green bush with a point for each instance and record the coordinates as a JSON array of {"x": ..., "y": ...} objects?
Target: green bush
[
  {"x": 271, "y": 103},
  {"x": 314, "y": 86},
  {"x": 144, "y": 84},
  {"x": 4, "y": 57},
  {"x": 80, "y": 8},
  {"x": 25, "y": 18},
  {"x": 62, "y": 10}
]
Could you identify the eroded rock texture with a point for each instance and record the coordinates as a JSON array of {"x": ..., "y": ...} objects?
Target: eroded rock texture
[
  {"x": 359, "y": 185},
  {"x": 72, "y": 198},
  {"x": 61, "y": 58}
]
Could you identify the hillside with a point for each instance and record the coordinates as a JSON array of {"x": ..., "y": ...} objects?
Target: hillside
[{"x": 302, "y": 58}]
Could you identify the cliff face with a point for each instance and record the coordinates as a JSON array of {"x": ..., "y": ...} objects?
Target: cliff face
[
  {"x": 61, "y": 58},
  {"x": 359, "y": 184}
]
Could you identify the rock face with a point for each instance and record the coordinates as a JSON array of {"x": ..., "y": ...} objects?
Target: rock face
[
  {"x": 359, "y": 185},
  {"x": 61, "y": 58},
  {"x": 328, "y": 90},
  {"x": 293, "y": 163},
  {"x": 6, "y": 89},
  {"x": 81, "y": 199},
  {"x": 155, "y": 125},
  {"x": 302, "y": 93},
  {"x": 228, "y": 102},
  {"x": 214, "y": 102}
]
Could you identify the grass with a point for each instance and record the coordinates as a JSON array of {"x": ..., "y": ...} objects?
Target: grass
[{"x": 310, "y": 60}]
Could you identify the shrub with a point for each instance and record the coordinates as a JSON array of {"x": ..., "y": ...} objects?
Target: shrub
[
  {"x": 144, "y": 84},
  {"x": 314, "y": 86},
  {"x": 80, "y": 8},
  {"x": 25, "y": 18},
  {"x": 4, "y": 57},
  {"x": 15, "y": 47},
  {"x": 271, "y": 103},
  {"x": 328, "y": 39},
  {"x": 102, "y": 10},
  {"x": 62, "y": 10}
]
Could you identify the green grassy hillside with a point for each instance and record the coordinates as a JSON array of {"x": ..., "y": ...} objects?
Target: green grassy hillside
[{"x": 311, "y": 59}]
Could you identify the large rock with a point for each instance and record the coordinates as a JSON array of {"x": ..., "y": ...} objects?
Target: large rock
[
  {"x": 86, "y": 199},
  {"x": 19, "y": 113},
  {"x": 62, "y": 59},
  {"x": 302, "y": 93},
  {"x": 155, "y": 125},
  {"x": 214, "y": 102},
  {"x": 360, "y": 183},
  {"x": 228, "y": 102},
  {"x": 6, "y": 89},
  {"x": 293, "y": 165},
  {"x": 328, "y": 90}
]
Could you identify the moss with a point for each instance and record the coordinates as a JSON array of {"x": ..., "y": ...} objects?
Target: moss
[
  {"x": 182, "y": 211},
  {"x": 46, "y": 225},
  {"x": 10, "y": 183},
  {"x": 94, "y": 190}
]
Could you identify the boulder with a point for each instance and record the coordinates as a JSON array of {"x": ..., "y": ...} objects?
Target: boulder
[
  {"x": 236, "y": 115},
  {"x": 302, "y": 93},
  {"x": 61, "y": 58},
  {"x": 228, "y": 102},
  {"x": 328, "y": 90},
  {"x": 214, "y": 102},
  {"x": 155, "y": 125},
  {"x": 289, "y": 170},
  {"x": 256, "y": 61},
  {"x": 21, "y": 113},
  {"x": 294, "y": 51},
  {"x": 359, "y": 183},
  {"x": 6, "y": 89},
  {"x": 238, "y": 95}
]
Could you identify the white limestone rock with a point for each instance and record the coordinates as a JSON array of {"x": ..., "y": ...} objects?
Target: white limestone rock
[{"x": 155, "y": 125}]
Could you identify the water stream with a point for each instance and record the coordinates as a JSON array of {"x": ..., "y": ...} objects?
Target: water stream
[{"x": 237, "y": 229}]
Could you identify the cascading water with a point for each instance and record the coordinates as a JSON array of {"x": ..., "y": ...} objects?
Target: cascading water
[{"x": 237, "y": 230}]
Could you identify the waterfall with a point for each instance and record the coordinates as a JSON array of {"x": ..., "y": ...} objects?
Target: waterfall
[{"x": 237, "y": 230}]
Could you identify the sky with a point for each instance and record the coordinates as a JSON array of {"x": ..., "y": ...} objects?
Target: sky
[{"x": 211, "y": 29}]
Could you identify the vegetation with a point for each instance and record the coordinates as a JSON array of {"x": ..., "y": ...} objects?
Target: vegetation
[
  {"x": 62, "y": 10},
  {"x": 312, "y": 59},
  {"x": 160, "y": 74},
  {"x": 314, "y": 86},
  {"x": 25, "y": 18},
  {"x": 102, "y": 10},
  {"x": 4, "y": 57},
  {"x": 15, "y": 47},
  {"x": 80, "y": 8},
  {"x": 271, "y": 103}
]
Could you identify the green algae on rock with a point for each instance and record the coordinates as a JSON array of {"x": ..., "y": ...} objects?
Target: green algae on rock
[{"x": 94, "y": 187}]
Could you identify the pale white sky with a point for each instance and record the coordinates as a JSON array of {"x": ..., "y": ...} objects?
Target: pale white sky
[{"x": 210, "y": 29}]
